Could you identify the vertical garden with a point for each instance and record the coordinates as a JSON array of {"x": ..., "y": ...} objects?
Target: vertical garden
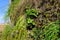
[{"x": 33, "y": 20}]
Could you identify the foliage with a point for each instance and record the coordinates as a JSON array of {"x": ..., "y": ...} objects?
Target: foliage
[
  {"x": 48, "y": 32},
  {"x": 18, "y": 32},
  {"x": 6, "y": 32},
  {"x": 51, "y": 31},
  {"x": 28, "y": 21},
  {"x": 31, "y": 13}
]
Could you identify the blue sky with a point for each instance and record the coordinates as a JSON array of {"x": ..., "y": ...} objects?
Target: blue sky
[{"x": 3, "y": 9}]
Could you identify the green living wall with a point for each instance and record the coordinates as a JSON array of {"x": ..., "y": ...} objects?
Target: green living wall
[{"x": 33, "y": 20}]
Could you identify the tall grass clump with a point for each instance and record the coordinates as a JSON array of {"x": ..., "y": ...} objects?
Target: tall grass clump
[{"x": 18, "y": 32}]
